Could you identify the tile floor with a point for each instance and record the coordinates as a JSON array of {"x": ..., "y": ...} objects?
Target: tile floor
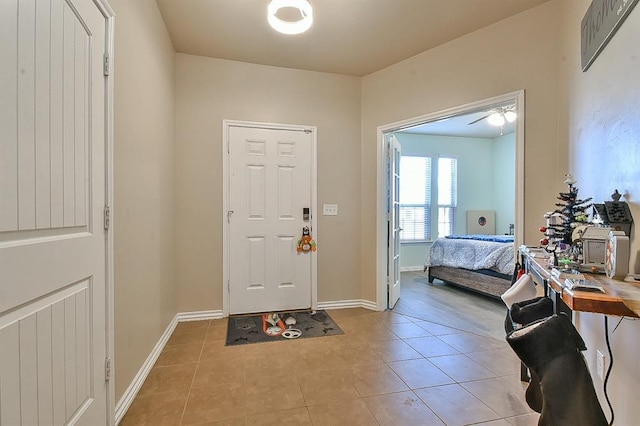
[{"x": 387, "y": 369}]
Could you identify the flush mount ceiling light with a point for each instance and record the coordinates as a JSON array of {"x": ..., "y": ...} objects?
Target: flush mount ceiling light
[{"x": 290, "y": 27}]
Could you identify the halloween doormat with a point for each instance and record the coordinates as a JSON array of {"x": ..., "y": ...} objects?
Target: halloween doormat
[{"x": 279, "y": 326}]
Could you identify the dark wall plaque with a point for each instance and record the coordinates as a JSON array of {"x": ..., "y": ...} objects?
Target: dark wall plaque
[{"x": 600, "y": 24}]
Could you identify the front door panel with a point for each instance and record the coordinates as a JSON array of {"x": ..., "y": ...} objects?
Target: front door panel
[{"x": 270, "y": 185}]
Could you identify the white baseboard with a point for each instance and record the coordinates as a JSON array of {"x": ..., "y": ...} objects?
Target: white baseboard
[
  {"x": 199, "y": 315},
  {"x": 343, "y": 304},
  {"x": 129, "y": 395}
]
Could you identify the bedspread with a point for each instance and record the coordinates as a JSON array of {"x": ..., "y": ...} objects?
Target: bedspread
[{"x": 472, "y": 254}]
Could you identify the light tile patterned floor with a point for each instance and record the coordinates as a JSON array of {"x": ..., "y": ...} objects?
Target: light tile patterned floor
[{"x": 387, "y": 369}]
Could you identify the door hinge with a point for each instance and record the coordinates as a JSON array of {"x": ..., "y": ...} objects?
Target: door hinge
[
  {"x": 107, "y": 218},
  {"x": 105, "y": 64},
  {"x": 229, "y": 286},
  {"x": 229, "y": 213},
  {"x": 107, "y": 369}
]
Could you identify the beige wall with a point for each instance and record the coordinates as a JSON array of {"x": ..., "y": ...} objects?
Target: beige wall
[
  {"x": 597, "y": 114},
  {"x": 144, "y": 185},
  {"x": 210, "y": 90},
  {"x": 516, "y": 53},
  {"x": 603, "y": 131}
]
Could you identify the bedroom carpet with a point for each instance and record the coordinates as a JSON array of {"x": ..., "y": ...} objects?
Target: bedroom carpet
[{"x": 242, "y": 330}]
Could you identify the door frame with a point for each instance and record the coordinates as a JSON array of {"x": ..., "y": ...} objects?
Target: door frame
[
  {"x": 109, "y": 14},
  {"x": 107, "y": 11},
  {"x": 382, "y": 182},
  {"x": 313, "y": 222},
  {"x": 393, "y": 219}
]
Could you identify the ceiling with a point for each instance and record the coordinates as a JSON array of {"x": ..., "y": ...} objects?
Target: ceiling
[
  {"x": 459, "y": 126},
  {"x": 351, "y": 37}
]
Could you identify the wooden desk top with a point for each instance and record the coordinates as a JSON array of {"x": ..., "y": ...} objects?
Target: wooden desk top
[{"x": 620, "y": 298}]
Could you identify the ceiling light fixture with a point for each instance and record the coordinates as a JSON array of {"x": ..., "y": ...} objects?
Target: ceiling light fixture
[
  {"x": 290, "y": 27},
  {"x": 501, "y": 116}
]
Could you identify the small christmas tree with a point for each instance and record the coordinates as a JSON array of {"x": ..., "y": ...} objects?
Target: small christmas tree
[{"x": 572, "y": 211}]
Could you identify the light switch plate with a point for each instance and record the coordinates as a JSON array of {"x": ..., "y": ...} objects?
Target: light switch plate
[{"x": 330, "y": 209}]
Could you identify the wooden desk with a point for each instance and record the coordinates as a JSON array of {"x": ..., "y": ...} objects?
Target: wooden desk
[{"x": 612, "y": 302}]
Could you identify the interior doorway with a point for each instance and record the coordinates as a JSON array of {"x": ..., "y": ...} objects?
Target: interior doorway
[{"x": 384, "y": 243}]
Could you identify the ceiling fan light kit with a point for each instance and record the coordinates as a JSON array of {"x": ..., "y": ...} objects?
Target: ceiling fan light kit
[
  {"x": 510, "y": 116},
  {"x": 496, "y": 119},
  {"x": 499, "y": 116},
  {"x": 290, "y": 27}
]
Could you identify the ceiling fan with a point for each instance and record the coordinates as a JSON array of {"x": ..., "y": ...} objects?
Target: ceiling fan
[{"x": 499, "y": 116}]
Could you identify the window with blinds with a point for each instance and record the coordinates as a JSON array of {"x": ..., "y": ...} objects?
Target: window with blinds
[
  {"x": 417, "y": 176},
  {"x": 447, "y": 196},
  {"x": 415, "y": 198}
]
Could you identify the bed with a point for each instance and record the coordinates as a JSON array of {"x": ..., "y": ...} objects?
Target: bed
[{"x": 482, "y": 263}]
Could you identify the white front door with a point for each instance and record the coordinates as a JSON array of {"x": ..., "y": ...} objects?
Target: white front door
[
  {"x": 394, "y": 221},
  {"x": 270, "y": 185},
  {"x": 52, "y": 198}
]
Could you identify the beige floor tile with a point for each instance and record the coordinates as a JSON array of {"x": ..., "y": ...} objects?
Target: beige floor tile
[
  {"x": 342, "y": 341},
  {"x": 461, "y": 368},
  {"x": 343, "y": 379},
  {"x": 503, "y": 395},
  {"x": 394, "y": 350},
  {"x": 401, "y": 409},
  {"x": 311, "y": 345},
  {"x": 216, "y": 351},
  {"x": 266, "y": 349},
  {"x": 221, "y": 402},
  {"x": 216, "y": 334},
  {"x": 380, "y": 380},
  {"x": 455, "y": 406},
  {"x": 296, "y": 416},
  {"x": 406, "y": 330},
  {"x": 436, "y": 329},
  {"x": 466, "y": 342},
  {"x": 431, "y": 346},
  {"x": 222, "y": 322},
  {"x": 387, "y": 317},
  {"x": 420, "y": 373},
  {"x": 320, "y": 387},
  {"x": 318, "y": 362},
  {"x": 503, "y": 362},
  {"x": 282, "y": 364},
  {"x": 352, "y": 413},
  {"x": 355, "y": 325},
  {"x": 172, "y": 377},
  {"x": 189, "y": 332},
  {"x": 239, "y": 421},
  {"x": 162, "y": 409},
  {"x": 530, "y": 419},
  {"x": 359, "y": 356},
  {"x": 500, "y": 422},
  {"x": 179, "y": 354},
  {"x": 192, "y": 325},
  {"x": 374, "y": 333},
  {"x": 210, "y": 373},
  {"x": 273, "y": 393}
]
